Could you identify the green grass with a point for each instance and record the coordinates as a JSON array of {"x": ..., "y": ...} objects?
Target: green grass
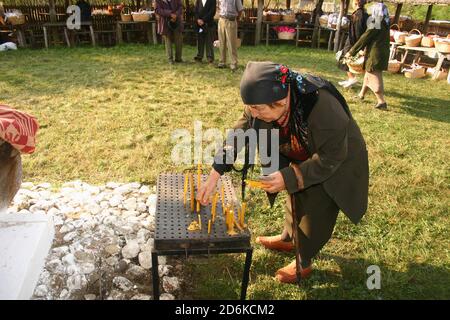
[{"x": 107, "y": 114}]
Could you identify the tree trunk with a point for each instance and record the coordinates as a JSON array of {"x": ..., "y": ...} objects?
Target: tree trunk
[
  {"x": 315, "y": 18},
  {"x": 397, "y": 13},
  {"x": 427, "y": 19},
  {"x": 259, "y": 22}
]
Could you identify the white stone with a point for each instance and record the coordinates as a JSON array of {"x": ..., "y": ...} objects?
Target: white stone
[
  {"x": 144, "y": 190},
  {"x": 143, "y": 234},
  {"x": 44, "y": 185},
  {"x": 87, "y": 268},
  {"x": 115, "y": 201},
  {"x": 112, "y": 249},
  {"x": 68, "y": 259},
  {"x": 112, "y": 261},
  {"x": 123, "y": 283},
  {"x": 164, "y": 270},
  {"x": 135, "y": 271},
  {"x": 145, "y": 259},
  {"x": 141, "y": 207},
  {"x": 61, "y": 251},
  {"x": 151, "y": 203},
  {"x": 76, "y": 282},
  {"x": 148, "y": 246},
  {"x": 162, "y": 260},
  {"x": 130, "y": 204},
  {"x": 131, "y": 250},
  {"x": 171, "y": 284},
  {"x": 70, "y": 236},
  {"x": 65, "y": 294},
  {"x": 122, "y": 190},
  {"x": 90, "y": 297},
  {"x": 25, "y": 240},
  {"x": 41, "y": 291},
  {"x": 110, "y": 220},
  {"x": 166, "y": 296},
  {"x": 113, "y": 185},
  {"x": 66, "y": 228},
  {"x": 72, "y": 269},
  {"x": 116, "y": 295}
]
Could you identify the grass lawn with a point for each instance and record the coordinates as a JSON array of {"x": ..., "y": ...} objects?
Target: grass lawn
[{"x": 107, "y": 114}]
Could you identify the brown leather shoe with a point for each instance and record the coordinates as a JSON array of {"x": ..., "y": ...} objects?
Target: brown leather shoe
[
  {"x": 288, "y": 274},
  {"x": 275, "y": 243}
]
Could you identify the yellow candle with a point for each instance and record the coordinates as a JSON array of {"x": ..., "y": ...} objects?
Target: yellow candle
[
  {"x": 186, "y": 180},
  {"x": 199, "y": 222},
  {"x": 198, "y": 206},
  {"x": 192, "y": 193},
  {"x": 209, "y": 226},
  {"x": 213, "y": 207}
]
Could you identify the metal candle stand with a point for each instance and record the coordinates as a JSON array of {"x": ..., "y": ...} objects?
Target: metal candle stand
[{"x": 173, "y": 218}]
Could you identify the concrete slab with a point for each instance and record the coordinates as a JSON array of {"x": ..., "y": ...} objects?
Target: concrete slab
[{"x": 25, "y": 240}]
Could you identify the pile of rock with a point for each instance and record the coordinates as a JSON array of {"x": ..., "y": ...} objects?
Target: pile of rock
[{"x": 103, "y": 241}]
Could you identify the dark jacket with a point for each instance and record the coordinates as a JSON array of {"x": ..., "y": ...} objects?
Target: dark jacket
[
  {"x": 339, "y": 158},
  {"x": 358, "y": 25},
  {"x": 376, "y": 43},
  {"x": 207, "y": 12},
  {"x": 163, "y": 9},
  {"x": 85, "y": 10}
]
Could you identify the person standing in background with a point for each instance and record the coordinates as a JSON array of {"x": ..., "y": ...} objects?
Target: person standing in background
[
  {"x": 230, "y": 12},
  {"x": 204, "y": 17},
  {"x": 170, "y": 26}
]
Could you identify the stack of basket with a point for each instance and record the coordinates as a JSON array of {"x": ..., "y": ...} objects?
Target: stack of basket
[
  {"x": 141, "y": 16},
  {"x": 442, "y": 45},
  {"x": 125, "y": 14},
  {"x": 288, "y": 17},
  {"x": 428, "y": 40},
  {"x": 394, "y": 66}
]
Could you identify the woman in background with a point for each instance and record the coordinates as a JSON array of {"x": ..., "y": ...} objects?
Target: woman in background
[{"x": 358, "y": 25}]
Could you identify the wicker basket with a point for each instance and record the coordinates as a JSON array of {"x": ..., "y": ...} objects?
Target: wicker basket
[
  {"x": 141, "y": 16},
  {"x": 356, "y": 66},
  {"x": 399, "y": 37},
  {"x": 394, "y": 66},
  {"x": 323, "y": 21},
  {"x": 415, "y": 73},
  {"x": 289, "y": 18},
  {"x": 286, "y": 35},
  {"x": 16, "y": 20},
  {"x": 413, "y": 40},
  {"x": 125, "y": 14},
  {"x": 442, "y": 45},
  {"x": 274, "y": 17},
  {"x": 428, "y": 40},
  {"x": 392, "y": 31}
]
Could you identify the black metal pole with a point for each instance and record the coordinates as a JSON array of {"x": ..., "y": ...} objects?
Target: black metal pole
[
  {"x": 155, "y": 276},
  {"x": 248, "y": 263}
]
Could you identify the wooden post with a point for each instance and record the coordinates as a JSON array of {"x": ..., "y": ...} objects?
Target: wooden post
[
  {"x": 288, "y": 4},
  {"x": 52, "y": 10},
  {"x": 315, "y": 17},
  {"x": 427, "y": 19},
  {"x": 397, "y": 12},
  {"x": 338, "y": 26},
  {"x": 259, "y": 22}
]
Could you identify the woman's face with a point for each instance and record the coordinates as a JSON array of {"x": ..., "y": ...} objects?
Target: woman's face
[{"x": 272, "y": 112}]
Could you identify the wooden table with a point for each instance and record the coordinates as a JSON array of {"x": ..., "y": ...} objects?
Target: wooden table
[
  {"x": 420, "y": 51},
  {"x": 49, "y": 25},
  {"x": 149, "y": 25},
  {"x": 18, "y": 29},
  {"x": 297, "y": 34}
]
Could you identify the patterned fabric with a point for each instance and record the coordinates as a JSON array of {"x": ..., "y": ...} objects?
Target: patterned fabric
[
  {"x": 18, "y": 129},
  {"x": 379, "y": 10}
]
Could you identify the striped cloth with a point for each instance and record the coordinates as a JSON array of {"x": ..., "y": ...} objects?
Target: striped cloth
[{"x": 18, "y": 129}]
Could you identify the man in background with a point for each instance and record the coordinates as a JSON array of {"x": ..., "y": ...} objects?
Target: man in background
[{"x": 230, "y": 12}]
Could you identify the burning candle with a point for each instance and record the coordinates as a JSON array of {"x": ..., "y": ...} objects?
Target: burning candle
[{"x": 198, "y": 206}]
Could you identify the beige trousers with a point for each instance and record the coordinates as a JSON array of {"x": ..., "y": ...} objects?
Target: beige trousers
[{"x": 228, "y": 41}]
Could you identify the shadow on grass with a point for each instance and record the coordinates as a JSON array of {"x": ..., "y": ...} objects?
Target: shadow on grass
[
  {"x": 430, "y": 108},
  {"x": 221, "y": 278}
]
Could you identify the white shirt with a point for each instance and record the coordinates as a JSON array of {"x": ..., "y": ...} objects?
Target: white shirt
[{"x": 204, "y": 1}]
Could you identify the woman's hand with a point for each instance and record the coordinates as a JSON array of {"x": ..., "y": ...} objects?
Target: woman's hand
[
  {"x": 208, "y": 187},
  {"x": 273, "y": 183}
]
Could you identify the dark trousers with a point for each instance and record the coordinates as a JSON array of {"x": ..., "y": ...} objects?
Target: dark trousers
[
  {"x": 316, "y": 214},
  {"x": 206, "y": 39},
  {"x": 174, "y": 37}
]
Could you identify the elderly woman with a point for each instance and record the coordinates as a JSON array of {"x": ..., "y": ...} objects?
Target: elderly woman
[
  {"x": 323, "y": 162},
  {"x": 375, "y": 41},
  {"x": 358, "y": 24},
  {"x": 17, "y": 135}
]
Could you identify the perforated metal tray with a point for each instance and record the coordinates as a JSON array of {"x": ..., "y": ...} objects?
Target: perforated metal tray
[{"x": 173, "y": 219}]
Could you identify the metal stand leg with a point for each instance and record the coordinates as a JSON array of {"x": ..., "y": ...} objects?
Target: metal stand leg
[
  {"x": 155, "y": 276},
  {"x": 248, "y": 263}
]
